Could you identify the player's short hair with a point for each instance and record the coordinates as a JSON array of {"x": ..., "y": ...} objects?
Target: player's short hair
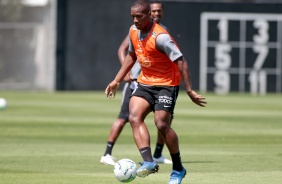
[{"x": 142, "y": 3}]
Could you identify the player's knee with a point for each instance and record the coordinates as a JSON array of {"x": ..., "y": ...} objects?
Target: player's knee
[
  {"x": 162, "y": 127},
  {"x": 133, "y": 119}
]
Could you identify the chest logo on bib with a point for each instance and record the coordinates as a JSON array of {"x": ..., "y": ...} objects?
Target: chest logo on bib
[{"x": 144, "y": 61}]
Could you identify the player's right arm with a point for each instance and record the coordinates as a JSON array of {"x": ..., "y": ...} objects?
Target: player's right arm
[
  {"x": 123, "y": 48},
  {"x": 122, "y": 51}
]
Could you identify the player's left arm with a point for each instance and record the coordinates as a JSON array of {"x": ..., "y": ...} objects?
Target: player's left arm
[
  {"x": 186, "y": 77},
  {"x": 167, "y": 45}
]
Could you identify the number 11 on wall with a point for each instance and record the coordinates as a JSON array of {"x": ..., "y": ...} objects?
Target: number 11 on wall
[{"x": 258, "y": 82}]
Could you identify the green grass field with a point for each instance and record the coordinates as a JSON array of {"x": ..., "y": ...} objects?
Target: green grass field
[{"x": 58, "y": 138}]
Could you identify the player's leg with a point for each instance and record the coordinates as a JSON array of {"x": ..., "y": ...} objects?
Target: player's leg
[
  {"x": 139, "y": 109},
  {"x": 119, "y": 123},
  {"x": 117, "y": 127},
  {"x": 157, "y": 156},
  {"x": 162, "y": 119},
  {"x": 162, "y": 122},
  {"x": 163, "y": 114}
]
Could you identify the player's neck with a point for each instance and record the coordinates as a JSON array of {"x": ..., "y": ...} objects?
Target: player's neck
[{"x": 147, "y": 28}]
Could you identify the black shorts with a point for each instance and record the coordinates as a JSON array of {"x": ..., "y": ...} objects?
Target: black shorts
[{"x": 159, "y": 97}]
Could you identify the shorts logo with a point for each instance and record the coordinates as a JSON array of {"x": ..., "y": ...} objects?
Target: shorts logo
[
  {"x": 165, "y": 100},
  {"x": 136, "y": 86}
]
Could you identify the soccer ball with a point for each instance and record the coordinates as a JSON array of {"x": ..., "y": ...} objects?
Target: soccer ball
[
  {"x": 125, "y": 170},
  {"x": 3, "y": 103}
]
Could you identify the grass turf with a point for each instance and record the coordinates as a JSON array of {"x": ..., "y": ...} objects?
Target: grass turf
[{"x": 58, "y": 138}]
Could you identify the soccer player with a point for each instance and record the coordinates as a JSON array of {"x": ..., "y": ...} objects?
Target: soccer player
[
  {"x": 162, "y": 68},
  {"x": 156, "y": 14}
]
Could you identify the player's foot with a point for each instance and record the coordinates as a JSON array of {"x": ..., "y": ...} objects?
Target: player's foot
[
  {"x": 177, "y": 176},
  {"x": 162, "y": 160},
  {"x": 107, "y": 160},
  {"x": 147, "y": 168}
]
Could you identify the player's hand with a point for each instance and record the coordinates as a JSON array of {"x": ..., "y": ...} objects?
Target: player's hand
[
  {"x": 197, "y": 99},
  {"x": 112, "y": 89}
]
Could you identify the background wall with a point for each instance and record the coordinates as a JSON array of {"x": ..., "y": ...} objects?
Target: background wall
[
  {"x": 91, "y": 32},
  {"x": 237, "y": 50}
]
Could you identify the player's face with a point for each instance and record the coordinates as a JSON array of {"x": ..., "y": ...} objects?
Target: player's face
[
  {"x": 156, "y": 12},
  {"x": 141, "y": 17}
]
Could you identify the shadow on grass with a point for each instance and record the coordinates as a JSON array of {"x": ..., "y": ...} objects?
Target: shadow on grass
[{"x": 199, "y": 162}]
